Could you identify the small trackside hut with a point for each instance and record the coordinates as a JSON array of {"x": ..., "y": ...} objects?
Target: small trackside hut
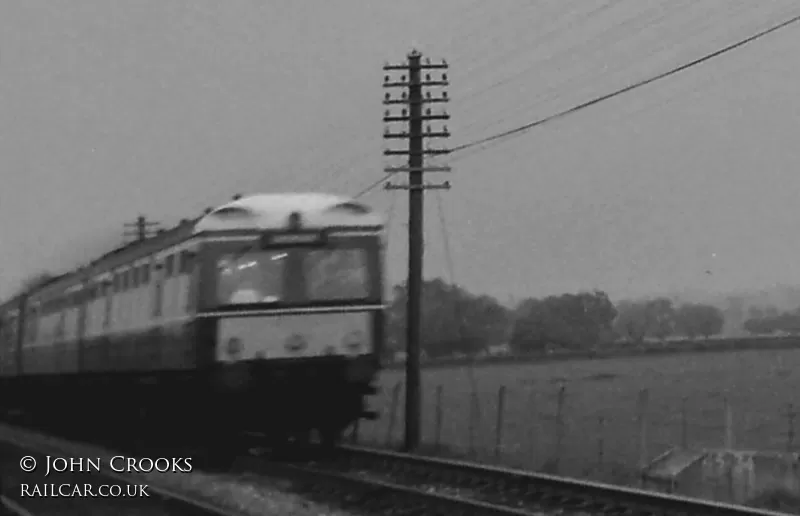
[{"x": 265, "y": 315}]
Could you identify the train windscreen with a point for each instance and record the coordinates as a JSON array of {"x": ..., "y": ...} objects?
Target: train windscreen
[
  {"x": 342, "y": 270},
  {"x": 253, "y": 277},
  {"x": 336, "y": 274}
]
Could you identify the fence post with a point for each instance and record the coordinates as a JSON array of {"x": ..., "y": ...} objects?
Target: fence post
[
  {"x": 685, "y": 423},
  {"x": 641, "y": 416},
  {"x": 601, "y": 423},
  {"x": 437, "y": 438},
  {"x": 473, "y": 416},
  {"x": 729, "y": 442},
  {"x": 790, "y": 430},
  {"x": 559, "y": 428},
  {"x": 728, "y": 424},
  {"x": 501, "y": 408},
  {"x": 533, "y": 435},
  {"x": 393, "y": 413}
]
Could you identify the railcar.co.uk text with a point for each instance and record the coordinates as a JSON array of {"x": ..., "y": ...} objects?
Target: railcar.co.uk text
[{"x": 83, "y": 491}]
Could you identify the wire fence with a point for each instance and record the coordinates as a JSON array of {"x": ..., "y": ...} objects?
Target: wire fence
[{"x": 562, "y": 431}]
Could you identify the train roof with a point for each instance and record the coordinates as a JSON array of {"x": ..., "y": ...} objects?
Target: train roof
[
  {"x": 258, "y": 211},
  {"x": 271, "y": 211},
  {"x": 10, "y": 303}
]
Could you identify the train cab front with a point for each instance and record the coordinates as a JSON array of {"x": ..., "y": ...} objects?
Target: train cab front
[{"x": 298, "y": 323}]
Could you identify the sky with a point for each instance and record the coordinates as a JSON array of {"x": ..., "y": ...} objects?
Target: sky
[{"x": 114, "y": 108}]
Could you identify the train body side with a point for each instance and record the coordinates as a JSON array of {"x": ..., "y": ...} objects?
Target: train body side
[
  {"x": 136, "y": 315},
  {"x": 159, "y": 321}
]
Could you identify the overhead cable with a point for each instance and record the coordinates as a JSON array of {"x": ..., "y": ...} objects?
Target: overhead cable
[{"x": 526, "y": 127}]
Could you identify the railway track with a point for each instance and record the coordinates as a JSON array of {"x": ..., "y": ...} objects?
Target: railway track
[
  {"x": 407, "y": 484},
  {"x": 370, "y": 481}
]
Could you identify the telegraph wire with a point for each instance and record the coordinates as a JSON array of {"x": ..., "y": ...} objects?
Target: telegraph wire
[
  {"x": 640, "y": 23},
  {"x": 448, "y": 257},
  {"x": 372, "y": 186},
  {"x": 591, "y": 75},
  {"x": 684, "y": 92},
  {"x": 530, "y": 44},
  {"x": 492, "y": 60},
  {"x": 542, "y": 30},
  {"x": 458, "y": 312},
  {"x": 479, "y": 11},
  {"x": 599, "y": 45},
  {"x": 526, "y": 127},
  {"x": 375, "y": 184}
]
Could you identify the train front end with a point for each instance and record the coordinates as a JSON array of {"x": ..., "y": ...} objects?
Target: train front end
[{"x": 297, "y": 320}]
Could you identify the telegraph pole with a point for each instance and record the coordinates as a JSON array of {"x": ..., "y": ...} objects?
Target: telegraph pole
[
  {"x": 139, "y": 230},
  {"x": 413, "y": 117}
]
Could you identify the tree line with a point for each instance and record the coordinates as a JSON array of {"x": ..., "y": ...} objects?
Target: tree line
[
  {"x": 768, "y": 320},
  {"x": 457, "y": 322}
]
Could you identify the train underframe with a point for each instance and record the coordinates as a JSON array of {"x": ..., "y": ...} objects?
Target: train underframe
[{"x": 226, "y": 407}]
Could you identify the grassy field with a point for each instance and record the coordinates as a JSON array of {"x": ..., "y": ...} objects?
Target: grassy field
[{"x": 759, "y": 384}]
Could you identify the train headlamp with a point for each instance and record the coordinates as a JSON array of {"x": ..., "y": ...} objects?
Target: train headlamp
[
  {"x": 296, "y": 343},
  {"x": 234, "y": 347},
  {"x": 353, "y": 341},
  {"x": 294, "y": 221}
]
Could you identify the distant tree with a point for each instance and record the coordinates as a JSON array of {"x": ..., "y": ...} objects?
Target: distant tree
[
  {"x": 587, "y": 318},
  {"x": 631, "y": 322},
  {"x": 485, "y": 323},
  {"x": 766, "y": 325},
  {"x": 649, "y": 318},
  {"x": 453, "y": 320},
  {"x": 755, "y": 312},
  {"x": 771, "y": 311},
  {"x": 758, "y": 326},
  {"x": 573, "y": 321},
  {"x": 699, "y": 319},
  {"x": 530, "y": 333},
  {"x": 660, "y": 317},
  {"x": 788, "y": 322}
]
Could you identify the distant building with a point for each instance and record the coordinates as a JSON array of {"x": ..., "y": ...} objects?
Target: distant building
[{"x": 499, "y": 350}]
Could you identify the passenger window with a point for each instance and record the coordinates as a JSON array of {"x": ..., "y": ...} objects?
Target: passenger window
[
  {"x": 186, "y": 262},
  {"x": 32, "y": 324},
  {"x": 107, "y": 318},
  {"x": 145, "y": 274},
  {"x": 168, "y": 265},
  {"x": 158, "y": 299}
]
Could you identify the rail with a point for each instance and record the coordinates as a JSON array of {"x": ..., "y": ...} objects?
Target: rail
[
  {"x": 13, "y": 507},
  {"x": 484, "y": 489}
]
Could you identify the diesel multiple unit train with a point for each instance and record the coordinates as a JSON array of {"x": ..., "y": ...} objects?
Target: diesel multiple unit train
[{"x": 264, "y": 315}]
